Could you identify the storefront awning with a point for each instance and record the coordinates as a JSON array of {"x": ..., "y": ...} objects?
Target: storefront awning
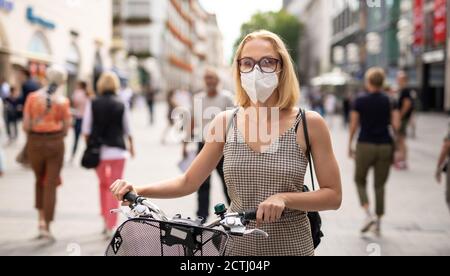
[{"x": 335, "y": 78}]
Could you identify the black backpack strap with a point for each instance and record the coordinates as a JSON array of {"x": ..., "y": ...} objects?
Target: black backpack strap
[{"x": 308, "y": 146}]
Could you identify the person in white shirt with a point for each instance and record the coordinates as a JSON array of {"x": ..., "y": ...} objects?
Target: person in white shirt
[{"x": 207, "y": 105}]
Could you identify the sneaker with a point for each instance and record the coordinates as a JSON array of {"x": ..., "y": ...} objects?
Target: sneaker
[
  {"x": 368, "y": 225},
  {"x": 46, "y": 236},
  {"x": 377, "y": 228}
]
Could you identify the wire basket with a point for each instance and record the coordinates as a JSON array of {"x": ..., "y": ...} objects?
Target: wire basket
[{"x": 149, "y": 237}]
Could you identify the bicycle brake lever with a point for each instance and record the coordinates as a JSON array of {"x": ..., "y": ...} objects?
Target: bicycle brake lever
[
  {"x": 258, "y": 232},
  {"x": 119, "y": 211}
]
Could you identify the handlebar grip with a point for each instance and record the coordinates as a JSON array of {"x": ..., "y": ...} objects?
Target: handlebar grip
[
  {"x": 131, "y": 197},
  {"x": 250, "y": 215}
]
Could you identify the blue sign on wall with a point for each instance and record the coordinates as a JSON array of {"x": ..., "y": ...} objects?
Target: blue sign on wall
[
  {"x": 6, "y": 5},
  {"x": 34, "y": 19}
]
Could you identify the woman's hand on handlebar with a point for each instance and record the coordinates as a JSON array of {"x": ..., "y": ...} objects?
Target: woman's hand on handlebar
[
  {"x": 271, "y": 210},
  {"x": 120, "y": 188}
]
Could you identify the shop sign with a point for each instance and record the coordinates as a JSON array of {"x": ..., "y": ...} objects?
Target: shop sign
[
  {"x": 440, "y": 21},
  {"x": 38, "y": 20},
  {"x": 6, "y": 5},
  {"x": 419, "y": 23}
]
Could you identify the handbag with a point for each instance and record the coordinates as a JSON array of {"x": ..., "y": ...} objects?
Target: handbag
[
  {"x": 314, "y": 217},
  {"x": 91, "y": 156}
]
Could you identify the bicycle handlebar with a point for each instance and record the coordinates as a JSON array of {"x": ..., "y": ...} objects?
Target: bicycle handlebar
[
  {"x": 131, "y": 197},
  {"x": 249, "y": 215}
]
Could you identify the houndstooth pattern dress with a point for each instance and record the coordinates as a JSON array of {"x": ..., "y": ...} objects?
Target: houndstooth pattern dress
[{"x": 252, "y": 178}]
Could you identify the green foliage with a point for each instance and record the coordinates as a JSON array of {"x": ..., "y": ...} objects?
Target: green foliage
[{"x": 282, "y": 23}]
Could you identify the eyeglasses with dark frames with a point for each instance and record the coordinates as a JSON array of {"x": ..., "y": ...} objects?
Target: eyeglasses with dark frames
[{"x": 267, "y": 65}]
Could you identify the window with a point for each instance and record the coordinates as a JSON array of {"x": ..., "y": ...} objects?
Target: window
[
  {"x": 139, "y": 43},
  {"x": 39, "y": 44},
  {"x": 139, "y": 9}
]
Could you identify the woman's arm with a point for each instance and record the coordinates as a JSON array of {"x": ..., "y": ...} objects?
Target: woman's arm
[
  {"x": 395, "y": 120},
  {"x": 27, "y": 125},
  {"x": 191, "y": 181},
  {"x": 329, "y": 197},
  {"x": 127, "y": 131},
  {"x": 442, "y": 157}
]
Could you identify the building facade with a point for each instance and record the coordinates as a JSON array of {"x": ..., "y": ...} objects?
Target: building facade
[
  {"x": 381, "y": 36},
  {"x": 348, "y": 43},
  {"x": 396, "y": 35},
  {"x": 430, "y": 45},
  {"x": 174, "y": 40},
  {"x": 37, "y": 33},
  {"x": 314, "y": 45}
]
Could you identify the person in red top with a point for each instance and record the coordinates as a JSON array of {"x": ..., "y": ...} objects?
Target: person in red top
[{"x": 47, "y": 119}]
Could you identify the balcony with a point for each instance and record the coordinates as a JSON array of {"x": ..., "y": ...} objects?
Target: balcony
[
  {"x": 140, "y": 54},
  {"x": 138, "y": 18}
]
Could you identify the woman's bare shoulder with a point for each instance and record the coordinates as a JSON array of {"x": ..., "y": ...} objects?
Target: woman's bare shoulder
[{"x": 316, "y": 124}]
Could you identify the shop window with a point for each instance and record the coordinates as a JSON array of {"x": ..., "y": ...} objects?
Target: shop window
[{"x": 39, "y": 44}]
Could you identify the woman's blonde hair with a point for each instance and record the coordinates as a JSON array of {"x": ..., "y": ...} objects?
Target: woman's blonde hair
[
  {"x": 108, "y": 82},
  {"x": 57, "y": 75},
  {"x": 288, "y": 88}
]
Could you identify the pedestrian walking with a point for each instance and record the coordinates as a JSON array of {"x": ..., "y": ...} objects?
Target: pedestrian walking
[
  {"x": 443, "y": 166},
  {"x": 207, "y": 105},
  {"x": 171, "y": 106},
  {"x": 80, "y": 98},
  {"x": 264, "y": 174},
  {"x": 374, "y": 115},
  {"x": 150, "y": 94},
  {"x": 5, "y": 88},
  {"x": 406, "y": 107},
  {"x": 330, "y": 109},
  {"x": 346, "y": 109},
  {"x": 107, "y": 120},
  {"x": 47, "y": 119},
  {"x": 13, "y": 107},
  {"x": 28, "y": 85},
  {"x": 126, "y": 93},
  {"x": 184, "y": 101}
]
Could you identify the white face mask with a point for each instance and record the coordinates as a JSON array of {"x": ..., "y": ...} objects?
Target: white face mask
[{"x": 258, "y": 85}]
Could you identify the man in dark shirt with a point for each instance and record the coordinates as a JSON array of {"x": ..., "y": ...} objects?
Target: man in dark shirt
[
  {"x": 374, "y": 115},
  {"x": 406, "y": 108},
  {"x": 29, "y": 85}
]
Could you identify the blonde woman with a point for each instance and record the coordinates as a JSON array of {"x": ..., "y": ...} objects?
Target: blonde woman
[
  {"x": 46, "y": 121},
  {"x": 106, "y": 119},
  {"x": 267, "y": 174}
]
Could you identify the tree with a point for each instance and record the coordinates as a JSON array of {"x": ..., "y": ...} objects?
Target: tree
[{"x": 282, "y": 23}]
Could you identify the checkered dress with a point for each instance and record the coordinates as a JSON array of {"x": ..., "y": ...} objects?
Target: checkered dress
[{"x": 253, "y": 177}]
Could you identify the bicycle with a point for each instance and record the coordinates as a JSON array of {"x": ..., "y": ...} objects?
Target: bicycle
[{"x": 149, "y": 232}]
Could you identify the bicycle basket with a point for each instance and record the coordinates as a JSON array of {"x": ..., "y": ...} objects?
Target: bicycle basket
[{"x": 148, "y": 237}]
